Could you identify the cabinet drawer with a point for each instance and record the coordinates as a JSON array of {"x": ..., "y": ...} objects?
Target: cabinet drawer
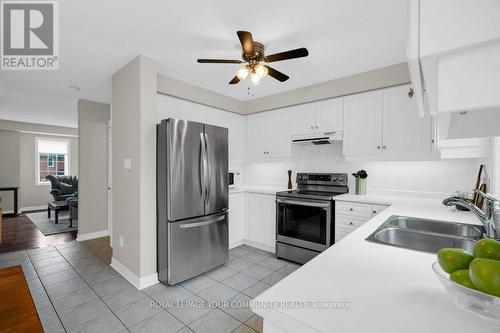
[
  {"x": 377, "y": 209},
  {"x": 348, "y": 223},
  {"x": 353, "y": 209}
]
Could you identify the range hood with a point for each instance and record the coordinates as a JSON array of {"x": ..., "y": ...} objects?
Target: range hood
[{"x": 317, "y": 138}]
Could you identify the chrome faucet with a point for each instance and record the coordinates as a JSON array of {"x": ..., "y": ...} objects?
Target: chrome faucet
[{"x": 490, "y": 217}]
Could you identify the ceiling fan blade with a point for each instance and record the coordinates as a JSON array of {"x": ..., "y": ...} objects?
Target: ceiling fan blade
[
  {"x": 276, "y": 74},
  {"x": 246, "y": 41},
  {"x": 292, "y": 54},
  {"x": 219, "y": 61},
  {"x": 234, "y": 80}
]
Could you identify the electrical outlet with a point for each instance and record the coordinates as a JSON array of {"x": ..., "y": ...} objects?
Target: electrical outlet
[
  {"x": 127, "y": 164},
  {"x": 121, "y": 240}
]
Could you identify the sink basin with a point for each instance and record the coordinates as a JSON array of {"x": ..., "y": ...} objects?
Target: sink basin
[
  {"x": 421, "y": 241},
  {"x": 440, "y": 227},
  {"x": 426, "y": 235}
]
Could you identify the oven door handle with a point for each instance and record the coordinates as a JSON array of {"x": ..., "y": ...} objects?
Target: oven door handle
[{"x": 304, "y": 203}]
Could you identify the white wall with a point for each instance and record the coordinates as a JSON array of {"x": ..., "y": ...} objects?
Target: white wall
[
  {"x": 9, "y": 167},
  {"x": 440, "y": 177},
  {"x": 93, "y": 120}
]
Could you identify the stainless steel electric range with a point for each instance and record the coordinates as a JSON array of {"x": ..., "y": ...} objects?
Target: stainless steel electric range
[{"x": 305, "y": 218}]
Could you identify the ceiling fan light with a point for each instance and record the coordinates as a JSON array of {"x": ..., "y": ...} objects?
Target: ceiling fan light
[
  {"x": 261, "y": 71},
  {"x": 255, "y": 78},
  {"x": 242, "y": 73}
]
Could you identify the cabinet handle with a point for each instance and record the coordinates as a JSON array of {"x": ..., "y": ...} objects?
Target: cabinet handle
[
  {"x": 410, "y": 93},
  {"x": 312, "y": 127},
  {"x": 378, "y": 147},
  {"x": 374, "y": 212},
  {"x": 350, "y": 223},
  {"x": 383, "y": 147},
  {"x": 316, "y": 126},
  {"x": 351, "y": 209}
]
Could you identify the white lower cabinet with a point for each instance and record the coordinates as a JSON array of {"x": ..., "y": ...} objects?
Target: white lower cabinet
[
  {"x": 236, "y": 218},
  {"x": 261, "y": 219},
  {"x": 351, "y": 215}
]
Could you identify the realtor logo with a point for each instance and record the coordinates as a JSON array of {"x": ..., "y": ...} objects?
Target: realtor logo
[{"x": 30, "y": 39}]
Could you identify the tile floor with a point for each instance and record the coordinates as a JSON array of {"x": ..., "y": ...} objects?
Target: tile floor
[{"x": 75, "y": 290}]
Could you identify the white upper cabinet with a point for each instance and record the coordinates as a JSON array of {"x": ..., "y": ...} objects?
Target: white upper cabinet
[
  {"x": 453, "y": 54},
  {"x": 404, "y": 132},
  {"x": 257, "y": 131},
  {"x": 303, "y": 118},
  {"x": 385, "y": 123},
  {"x": 269, "y": 135},
  {"x": 323, "y": 116},
  {"x": 363, "y": 123},
  {"x": 330, "y": 115},
  {"x": 279, "y": 136}
]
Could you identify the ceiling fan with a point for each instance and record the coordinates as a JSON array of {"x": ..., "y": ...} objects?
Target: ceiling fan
[{"x": 255, "y": 60}]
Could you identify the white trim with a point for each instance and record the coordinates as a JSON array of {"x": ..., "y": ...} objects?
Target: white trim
[
  {"x": 91, "y": 235},
  {"x": 139, "y": 283},
  {"x": 259, "y": 246},
  {"x": 50, "y": 134},
  {"x": 27, "y": 209},
  {"x": 235, "y": 244}
]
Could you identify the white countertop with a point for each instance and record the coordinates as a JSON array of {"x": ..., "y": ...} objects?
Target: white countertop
[
  {"x": 389, "y": 289},
  {"x": 257, "y": 189}
]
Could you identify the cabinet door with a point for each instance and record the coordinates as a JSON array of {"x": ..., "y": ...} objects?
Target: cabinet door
[
  {"x": 363, "y": 124},
  {"x": 330, "y": 115},
  {"x": 256, "y": 136},
  {"x": 262, "y": 219},
  {"x": 236, "y": 125},
  {"x": 405, "y": 133},
  {"x": 303, "y": 118},
  {"x": 280, "y": 131},
  {"x": 236, "y": 217}
]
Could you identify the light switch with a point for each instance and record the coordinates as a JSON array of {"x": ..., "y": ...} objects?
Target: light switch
[{"x": 127, "y": 164}]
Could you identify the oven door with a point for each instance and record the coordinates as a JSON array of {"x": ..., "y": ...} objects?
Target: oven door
[{"x": 304, "y": 223}]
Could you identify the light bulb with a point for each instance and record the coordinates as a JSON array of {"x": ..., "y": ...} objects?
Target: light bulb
[
  {"x": 242, "y": 73},
  {"x": 255, "y": 78},
  {"x": 261, "y": 70}
]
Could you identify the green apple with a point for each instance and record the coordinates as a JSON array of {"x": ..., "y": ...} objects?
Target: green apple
[
  {"x": 485, "y": 275},
  {"x": 451, "y": 259},
  {"x": 487, "y": 248},
  {"x": 462, "y": 277}
]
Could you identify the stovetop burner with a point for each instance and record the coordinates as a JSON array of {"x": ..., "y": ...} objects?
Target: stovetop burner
[{"x": 318, "y": 186}]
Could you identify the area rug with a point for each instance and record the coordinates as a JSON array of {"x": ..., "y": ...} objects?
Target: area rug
[{"x": 48, "y": 227}]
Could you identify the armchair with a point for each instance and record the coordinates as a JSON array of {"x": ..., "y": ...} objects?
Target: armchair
[{"x": 63, "y": 187}]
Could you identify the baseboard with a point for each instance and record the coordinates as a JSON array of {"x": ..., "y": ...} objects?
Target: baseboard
[
  {"x": 139, "y": 283},
  {"x": 235, "y": 244},
  {"x": 92, "y": 235},
  {"x": 28, "y": 209},
  {"x": 259, "y": 246}
]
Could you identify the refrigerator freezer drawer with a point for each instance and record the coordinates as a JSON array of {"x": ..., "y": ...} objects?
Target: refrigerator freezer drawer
[{"x": 196, "y": 246}]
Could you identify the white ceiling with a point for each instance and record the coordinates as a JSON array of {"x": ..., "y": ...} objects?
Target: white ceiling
[{"x": 97, "y": 37}]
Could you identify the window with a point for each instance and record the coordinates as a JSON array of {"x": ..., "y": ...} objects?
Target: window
[{"x": 52, "y": 158}]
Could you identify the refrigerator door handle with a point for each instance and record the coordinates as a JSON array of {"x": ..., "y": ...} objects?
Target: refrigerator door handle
[
  {"x": 204, "y": 166},
  {"x": 200, "y": 224},
  {"x": 209, "y": 170}
]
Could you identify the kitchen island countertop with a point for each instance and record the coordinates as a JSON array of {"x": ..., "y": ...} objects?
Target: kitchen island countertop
[{"x": 386, "y": 289}]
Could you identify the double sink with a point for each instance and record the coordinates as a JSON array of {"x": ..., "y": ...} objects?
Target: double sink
[{"x": 426, "y": 235}]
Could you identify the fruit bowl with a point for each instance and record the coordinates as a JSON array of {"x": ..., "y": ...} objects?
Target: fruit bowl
[{"x": 481, "y": 304}]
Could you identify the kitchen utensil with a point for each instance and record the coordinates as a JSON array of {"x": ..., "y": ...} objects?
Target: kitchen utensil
[
  {"x": 480, "y": 199},
  {"x": 478, "y": 182},
  {"x": 289, "y": 179},
  {"x": 480, "y": 304}
]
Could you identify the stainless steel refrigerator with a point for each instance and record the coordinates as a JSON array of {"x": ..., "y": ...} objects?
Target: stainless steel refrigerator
[{"x": 192, "y": 199}]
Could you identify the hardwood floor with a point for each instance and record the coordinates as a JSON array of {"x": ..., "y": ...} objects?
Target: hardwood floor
[
  {"x": 17, "y": 310},
  {"x": 18, "y": 233}
]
